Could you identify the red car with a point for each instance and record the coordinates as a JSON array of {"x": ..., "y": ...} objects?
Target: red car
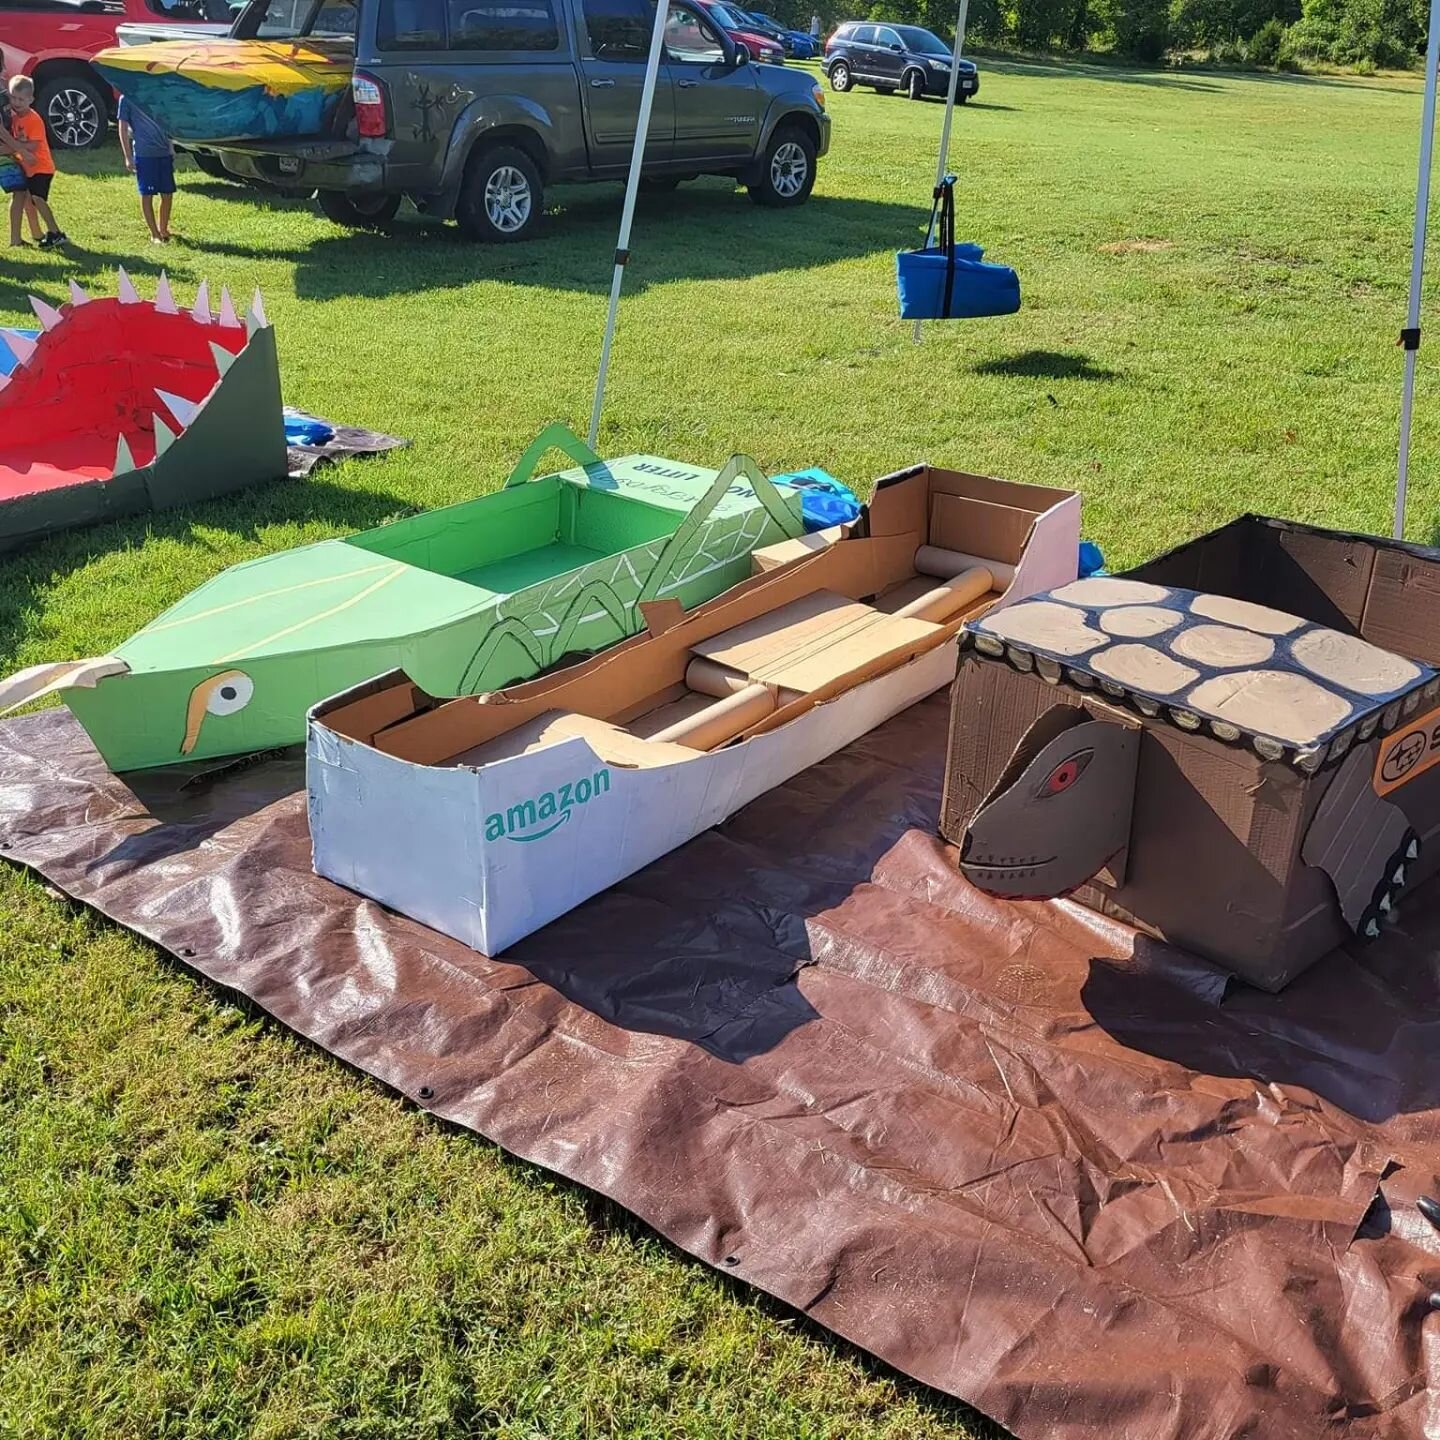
[
  {"x": 765, "y": 52},
  {"x": 52, "y": 41}
]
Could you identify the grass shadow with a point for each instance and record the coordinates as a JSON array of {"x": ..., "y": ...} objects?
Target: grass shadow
[{"x": 1047, "y": 365}]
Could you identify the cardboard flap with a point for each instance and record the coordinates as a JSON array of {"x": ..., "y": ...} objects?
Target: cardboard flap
[
  {"x": 1061, "y": 811},
  {"x": 661, "y": 615},
  {"x": 608, "y": 743}
]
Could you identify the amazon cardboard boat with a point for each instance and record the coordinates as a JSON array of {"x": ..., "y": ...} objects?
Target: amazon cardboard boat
[
  {"x": 1235, "y": 747},
  {"x": 489, "y": 816},
  {"x": 465, "y": 599}
]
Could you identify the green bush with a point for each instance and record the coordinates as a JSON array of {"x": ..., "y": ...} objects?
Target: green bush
[{"x": 1263, "y": 47}]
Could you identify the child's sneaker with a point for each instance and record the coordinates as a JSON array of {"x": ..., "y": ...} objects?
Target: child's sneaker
[{"x": 54, "y": 238}]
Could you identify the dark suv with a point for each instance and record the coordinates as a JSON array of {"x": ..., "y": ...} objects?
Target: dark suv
[
  {"x": 471, "y": 107},
  {"x": 895, "y": 57}
]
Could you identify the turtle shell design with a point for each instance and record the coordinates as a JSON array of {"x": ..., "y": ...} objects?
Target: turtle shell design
[{"x": 1244, "y": 672}]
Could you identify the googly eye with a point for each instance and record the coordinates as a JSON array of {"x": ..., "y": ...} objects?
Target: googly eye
[
  {"x": 229, "y": 693},
  {"x": 1065, "y": 774}
]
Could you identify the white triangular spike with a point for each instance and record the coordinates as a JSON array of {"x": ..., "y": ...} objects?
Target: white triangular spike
[
  {"x": 129, "y": 295},
  {"x": 77, "y": 295},
  {"x": 164, "y": 300},
  {"x": 1385, "y": 906},
  {"x": 1412, "y": 849},
  {"x": 201, "y": 312},
  {"x": 165, "y": 437},
  {"x": 227, "y": 309},
  {"x": 223, "y": 358},
  {"x": 22, "y": 346},
  {"x": 1398, "y": 878},
  {"x": 257, "y": 308},
  {"x": 124, "y": 458},
  {"x": 182, "y": 409},
  {"x": 48, "y": 315},
  {"x": 1371, "y": 929}
]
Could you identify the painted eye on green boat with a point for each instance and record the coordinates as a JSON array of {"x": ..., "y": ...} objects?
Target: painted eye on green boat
[
  {"x": 230, "y": 692},
  {"x": 225, "y": 694}
]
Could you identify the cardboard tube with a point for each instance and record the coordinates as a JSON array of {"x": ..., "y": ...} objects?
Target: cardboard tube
[
  {"x": 951, "y": 597},
  {"x": 945, "y": 564},
  {"x": 710, "y": 677},
  {"x": 721, "y": 721}
]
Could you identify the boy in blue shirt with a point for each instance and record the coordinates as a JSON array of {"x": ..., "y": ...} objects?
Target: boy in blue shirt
[{"x": 151, "y": 157}]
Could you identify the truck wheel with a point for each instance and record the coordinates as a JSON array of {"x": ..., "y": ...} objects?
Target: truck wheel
[
  {"x": 659, "y": 184},
  {"x": 914, "y": 84},
  {"x": 840, "y": 80},
  {"x": 74, "y": 111},
  {"x": 358, "y": 212},
  {"x": 787, "y": 169},
  {"x": 501, "y": 197}
]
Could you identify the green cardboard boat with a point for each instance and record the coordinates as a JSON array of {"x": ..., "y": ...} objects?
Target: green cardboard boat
[{"x": 464, "y": 599}]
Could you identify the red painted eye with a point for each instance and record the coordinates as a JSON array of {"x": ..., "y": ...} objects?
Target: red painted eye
[{"x": 1065, "y": 774}]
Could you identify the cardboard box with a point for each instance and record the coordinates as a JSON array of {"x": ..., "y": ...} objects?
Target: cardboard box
[
  {"x": 489, "y": 816},
  {"x": 1261, "y": 810}
]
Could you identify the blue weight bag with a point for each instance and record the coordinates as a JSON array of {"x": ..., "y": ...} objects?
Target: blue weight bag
[{"x": 947, "y": 281}]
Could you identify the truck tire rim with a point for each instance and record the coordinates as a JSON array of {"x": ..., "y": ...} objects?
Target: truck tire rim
[
  {"x": 840, "y": 77},
  {"x": 73, "y": 117},
  {"x": 788, "y": 168},
  {"x": 507, "y": 199}
]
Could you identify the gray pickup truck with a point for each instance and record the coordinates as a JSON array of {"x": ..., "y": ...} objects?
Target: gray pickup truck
[{"x": 471, "y": 107}]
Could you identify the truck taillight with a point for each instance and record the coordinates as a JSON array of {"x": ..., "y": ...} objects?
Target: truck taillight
[{"x": 370, "y": 117}]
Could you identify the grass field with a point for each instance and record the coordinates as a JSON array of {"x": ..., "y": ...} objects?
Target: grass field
[{"x": 209, "y": 1229}]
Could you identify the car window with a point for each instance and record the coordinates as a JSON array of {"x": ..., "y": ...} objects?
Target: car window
[
  {"x": 690, "y": 40},
  {"x": 503, "y": 25},
  {"x": 864, "y": 35},
  {"x": 922, "y": 41},
  {"x": 886, "y": 37},
  {"x": 618, "y": 29},
  {"x": 289, "y": 18},
  {"x": 410, "y": 25}
]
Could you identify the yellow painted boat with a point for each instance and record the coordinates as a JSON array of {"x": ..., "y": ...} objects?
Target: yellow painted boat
[{"x": 234, "y": 89}]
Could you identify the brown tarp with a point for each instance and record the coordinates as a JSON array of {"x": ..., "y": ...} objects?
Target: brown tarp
[{"x": 1070, "y": 1177}]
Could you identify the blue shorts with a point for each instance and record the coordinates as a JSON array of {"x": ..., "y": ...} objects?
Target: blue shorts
[{"x": 155, "y": 174}]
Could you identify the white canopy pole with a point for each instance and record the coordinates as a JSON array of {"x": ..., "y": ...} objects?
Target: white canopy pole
[
  {"x": 940, "y": 170},
  {"x": 627, "y": 215},
  {"x": 1410, "y": 336}
]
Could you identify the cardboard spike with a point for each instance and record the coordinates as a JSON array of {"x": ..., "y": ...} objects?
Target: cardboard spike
[
  {"x": 126, "y": 290},
  {"x": 165, "y": 437},
  {"x": 201, "y": 313},
  {"x": 182, "y": 409},
  {"x": 257, "y": 309},
  {"x": 77, "y": 295},
  {"x": 124, "y": 458},
  {"x": 223, "y": 358},
  {"x": 22, "y": 346},
  {"x": 48, "y": 315},
  {"x": 228, "y": 317},
  {"x": 164, "y": 299}
]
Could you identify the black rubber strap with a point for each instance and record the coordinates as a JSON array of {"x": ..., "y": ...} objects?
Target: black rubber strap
[
  {"x": 621, "y": 256},
  {"x": 947, "y": 242},
  {"x": 1410, "y": 339}
]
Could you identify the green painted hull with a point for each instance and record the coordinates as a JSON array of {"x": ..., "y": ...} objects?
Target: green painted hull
[{"x": 464, "y": 599}]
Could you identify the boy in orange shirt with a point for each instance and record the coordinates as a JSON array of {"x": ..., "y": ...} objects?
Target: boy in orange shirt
[{"x": 33, "y": 152}]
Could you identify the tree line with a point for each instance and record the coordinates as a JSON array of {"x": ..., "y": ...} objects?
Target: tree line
[{"x": 1363, "y": 34}]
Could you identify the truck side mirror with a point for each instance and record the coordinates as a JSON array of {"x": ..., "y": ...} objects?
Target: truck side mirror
[
  {"x": 898, "y": 49},
  {"x": 742, "y": 54}
]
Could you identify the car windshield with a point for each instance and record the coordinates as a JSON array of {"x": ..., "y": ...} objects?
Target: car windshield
[
  {"x": 921, "y": 41},
  {"x": 727, "y": 17}
]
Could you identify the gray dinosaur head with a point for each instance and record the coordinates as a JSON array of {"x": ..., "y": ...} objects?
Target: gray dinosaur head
[{"x": 1059, "y": 813}]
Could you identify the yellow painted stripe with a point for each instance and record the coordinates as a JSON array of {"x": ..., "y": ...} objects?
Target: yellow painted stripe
[
  {"x": 312, "y": 619},
  {"x": 154, "y": 629}
]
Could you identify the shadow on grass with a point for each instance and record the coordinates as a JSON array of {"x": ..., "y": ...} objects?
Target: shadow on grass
[
  {"x": 1047, "y": 365},
  {"x": 704, "y": 231}
]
